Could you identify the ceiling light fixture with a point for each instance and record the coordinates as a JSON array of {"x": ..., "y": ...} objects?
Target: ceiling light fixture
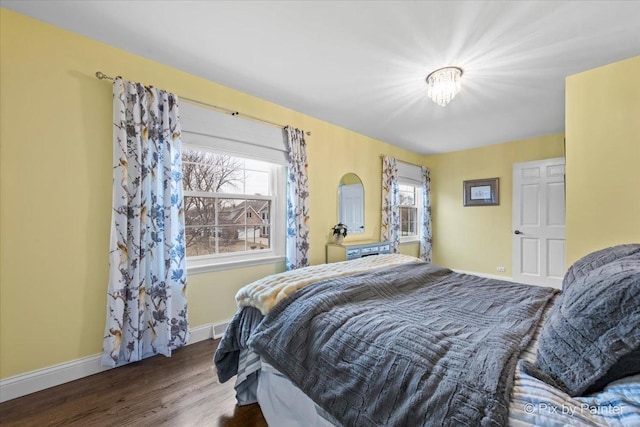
[{"x": 443, "y": 84}]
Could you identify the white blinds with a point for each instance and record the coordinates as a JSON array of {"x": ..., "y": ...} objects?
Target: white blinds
[
  {"x": 409, "y": 174},
  {"x": 209, "y": 129}
]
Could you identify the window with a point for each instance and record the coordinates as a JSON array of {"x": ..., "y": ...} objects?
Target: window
[
  {"x": 410, "y": 189},
  {"x": 409, "y": 211},
  {"x": 221, "y": 193},
  {"x": 234, "y": 190}
]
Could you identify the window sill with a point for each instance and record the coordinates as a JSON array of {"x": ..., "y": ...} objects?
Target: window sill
[
  {"x": 409, "y": 240},
  {"x": 199, "y": 266}
]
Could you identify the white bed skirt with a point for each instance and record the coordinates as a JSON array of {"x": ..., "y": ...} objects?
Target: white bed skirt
[{"x": 285, "y": 405}]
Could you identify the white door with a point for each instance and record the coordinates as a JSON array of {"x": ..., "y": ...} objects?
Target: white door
[{"x": 539, "y": 222}]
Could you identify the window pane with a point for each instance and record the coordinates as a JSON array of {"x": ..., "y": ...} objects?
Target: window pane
[
  {"x": 230, "y": 240},
  {"x": 256, "y": 183},
  {"x": 199, "y": 210},
  {"x": 407, "y": 194},
  {"x": 200, "y": 240},
  {"x": 231, "y": 212},
  {"x": 203, "y": 171},
  {"x": 231, "y": 185},
  {"x": 408, "y": 221},
  {"x": 257, "y": 234},
  {"x": 265, "y": 233},
  {"x": 254, "y": 238}
]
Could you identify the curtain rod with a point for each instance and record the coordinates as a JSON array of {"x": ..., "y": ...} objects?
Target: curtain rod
[
  {"x": 102, "y": 76},
  {"x": 382, "y": 156}
]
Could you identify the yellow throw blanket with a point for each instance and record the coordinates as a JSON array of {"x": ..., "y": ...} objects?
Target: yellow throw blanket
[{"x": 265, "y": 293}]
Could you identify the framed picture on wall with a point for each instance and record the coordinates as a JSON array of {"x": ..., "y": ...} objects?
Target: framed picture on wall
[{"x": 481, "y": 192}]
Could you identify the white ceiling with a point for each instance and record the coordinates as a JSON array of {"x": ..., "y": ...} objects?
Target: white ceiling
[{"x": 362, "y": 65}]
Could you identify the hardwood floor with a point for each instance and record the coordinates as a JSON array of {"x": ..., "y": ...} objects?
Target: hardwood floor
[{"x": 179, "y": 391}]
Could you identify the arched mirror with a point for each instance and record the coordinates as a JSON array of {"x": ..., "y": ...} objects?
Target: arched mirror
[{"x": 351, "y": 203}]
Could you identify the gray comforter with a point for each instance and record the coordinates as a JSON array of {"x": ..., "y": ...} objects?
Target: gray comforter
[
  {"x": 409, "y": 346},
  {"x": 235, "y": 338}
]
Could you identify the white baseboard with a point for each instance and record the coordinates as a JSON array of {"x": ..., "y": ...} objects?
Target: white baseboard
[
  {"x": 40, "y": 379},
  {"x": 200, "y": 333},
  {"x": 488, "y": 276}
]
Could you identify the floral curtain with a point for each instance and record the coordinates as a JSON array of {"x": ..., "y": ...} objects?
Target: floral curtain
[
  {"x": 425, "y": 230},
  {"x": 297, "y": 246},
  {"x": 390, "y": 226},
  {"x": 146, "y": 303}
]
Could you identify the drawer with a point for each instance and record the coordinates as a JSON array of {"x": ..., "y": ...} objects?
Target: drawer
[
  {"x": 370, "y": 250},
  {"x": 353, "y": 253}
]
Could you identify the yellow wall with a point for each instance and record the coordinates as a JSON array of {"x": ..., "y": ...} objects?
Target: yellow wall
[
  {"x": 55, "y": 188},
  {"x": 603, "y": 157},
  {"x": 478, "y": 238}
]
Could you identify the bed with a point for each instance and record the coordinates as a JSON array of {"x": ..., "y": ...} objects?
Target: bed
[{"x": 390, "y": 340}]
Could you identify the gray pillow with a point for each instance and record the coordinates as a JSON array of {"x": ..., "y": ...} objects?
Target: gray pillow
[
  {"x": 596, "y": 259},
  {"x": 594, "y": 324}
]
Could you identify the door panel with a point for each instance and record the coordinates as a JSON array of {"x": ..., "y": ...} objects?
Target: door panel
[
  {"x": 555, "y": 204},
  {"x": 530, "y": 204},
  {"x": 555, "y": 258},
  {"x": 530, "y": 261},
  {"x": 539, "y": 222}
]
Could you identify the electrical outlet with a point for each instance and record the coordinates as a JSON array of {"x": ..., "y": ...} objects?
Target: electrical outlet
[{"x": 501, "y": 269}]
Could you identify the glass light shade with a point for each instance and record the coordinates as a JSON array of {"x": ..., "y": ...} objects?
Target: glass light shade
[{"x": 444, "y": 84}]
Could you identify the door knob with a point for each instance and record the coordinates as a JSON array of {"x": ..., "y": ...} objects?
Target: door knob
[{"x": 518, "y": 232}]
